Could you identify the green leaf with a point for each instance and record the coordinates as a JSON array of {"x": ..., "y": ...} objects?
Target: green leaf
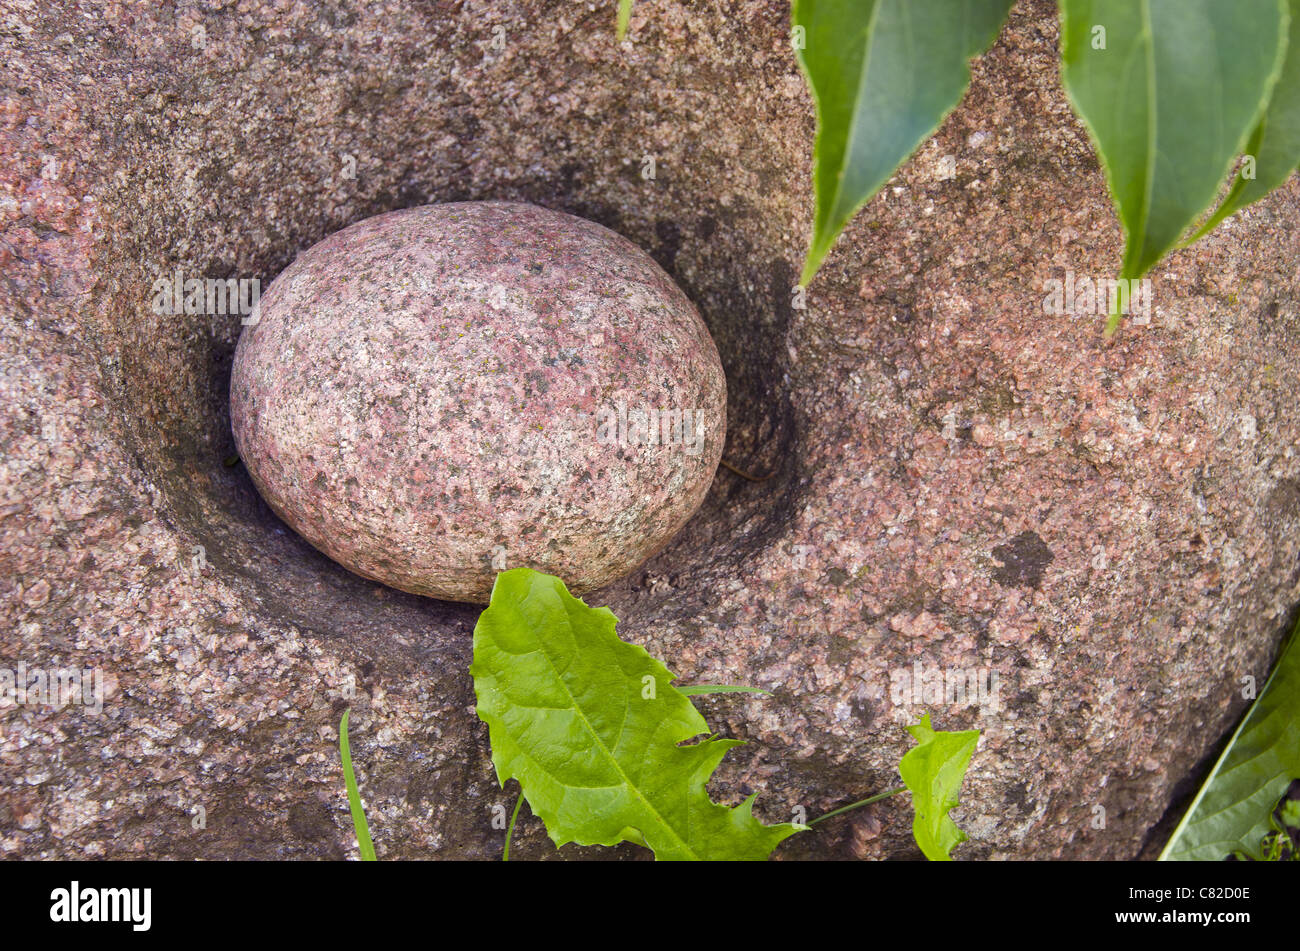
[
  {"x": 1169, "y": 97},
  {"x": 933, "y": 771},
  {"x": 624, "y": 18},
  {"x": 884, "y": 74},
  {"x": 359, "y": 823},
  {"x": 1231, "y": 812},
  {"x": 1275, "y": 143},
  {"x": 590, "y": 726}
]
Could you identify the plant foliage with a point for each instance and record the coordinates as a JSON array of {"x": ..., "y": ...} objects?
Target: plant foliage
[
  {"x": 1172, "y": 92},
  {"x": 359, "y": 823},
  {"x": 884, "y": 73},
  {"x": 933, "y": 771},
  {"x": 1233, "y": 811},
  {"x": 592, "y": 728},
  {"x": 624, "y": 18}
]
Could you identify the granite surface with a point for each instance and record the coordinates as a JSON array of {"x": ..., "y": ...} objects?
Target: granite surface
[{"x": 947, "y": 476}]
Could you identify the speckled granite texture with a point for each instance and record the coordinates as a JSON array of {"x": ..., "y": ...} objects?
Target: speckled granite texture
[
  {"x": 957, "y": 479},
  {"x": 435, "y": 394}
]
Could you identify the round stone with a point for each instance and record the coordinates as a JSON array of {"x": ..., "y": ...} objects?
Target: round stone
[{"x": 433, "y": 395}]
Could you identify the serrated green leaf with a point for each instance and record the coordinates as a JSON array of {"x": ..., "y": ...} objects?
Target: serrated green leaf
[
  {"x": 884, "y": 74},
  {"x": 1170, "y": 99},
  {"x": 1232, "y": 810},
  {"x": 590, "y": 726},
  {"x": 1275, "y": 143},
  {"x": 933, "y": 771}
]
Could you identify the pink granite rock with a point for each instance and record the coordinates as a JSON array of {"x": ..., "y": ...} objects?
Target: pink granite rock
[
  {"x": 955, "y": 479},
  {"x": 434, "y": 394}
]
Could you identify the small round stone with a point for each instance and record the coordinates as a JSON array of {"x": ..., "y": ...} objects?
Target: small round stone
[{"x": 433, "y": 395}]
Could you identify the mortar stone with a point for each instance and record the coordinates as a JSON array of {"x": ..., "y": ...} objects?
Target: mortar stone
[{"x": 434, "y": 394}]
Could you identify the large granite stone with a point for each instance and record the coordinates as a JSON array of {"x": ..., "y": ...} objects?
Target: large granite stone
[
  {"x": 954, "y": 478},
  {"x": 436, "y": 394}
]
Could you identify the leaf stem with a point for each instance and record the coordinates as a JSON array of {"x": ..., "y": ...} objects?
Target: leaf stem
[
  {"x": 624, "y": 17},
  {"x": 743, "y": 474},
  {"x": 695, "y": 690},
  {"x": 1116, "y": 316},
  {"x": 510, "y": 829},
  {"x": 860, "y": 803}
]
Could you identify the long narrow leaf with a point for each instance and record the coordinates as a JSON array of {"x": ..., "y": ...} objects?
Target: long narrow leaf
[
  {"x": 1170, "y": 91},
  {"x": 884, "y": 73},
  {"x": 1274, "y": 147},
  {"x": 354, "y": 795},
  {"x": 1231, "y": 812}
]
